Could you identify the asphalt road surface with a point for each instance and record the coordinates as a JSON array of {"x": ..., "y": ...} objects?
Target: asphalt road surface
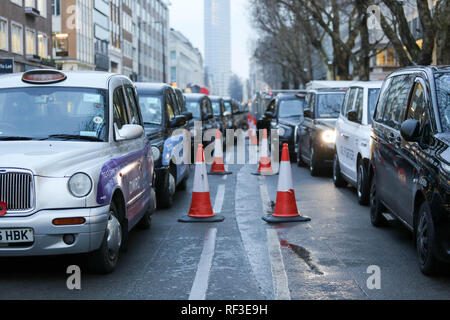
[{"x": 243, "y": 257}]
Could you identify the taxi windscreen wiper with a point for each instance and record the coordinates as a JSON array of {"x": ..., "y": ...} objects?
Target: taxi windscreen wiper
[
  {"x": 12, "y": 138},
  {"x": 72, "y": 137}
]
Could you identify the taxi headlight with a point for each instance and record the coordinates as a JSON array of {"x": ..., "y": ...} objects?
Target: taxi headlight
[
  {"x": 193, "y": 132},
  {"x": 156, "y": 153},
  {"x": 329, "y": 136},
  {"x": 80, "y": 185},
  {"x": 281, "y": 131}
]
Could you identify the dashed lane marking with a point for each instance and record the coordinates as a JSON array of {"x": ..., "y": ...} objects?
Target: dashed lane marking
[
  {"x": 200, "y": 285},
  {"x": 218, "y": 202},
  {"x": 279, "y": 276},
  {"x": 265, "y": 198}
]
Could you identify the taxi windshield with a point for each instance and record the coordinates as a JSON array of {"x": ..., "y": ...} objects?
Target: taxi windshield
[
  {"x": 329, "y": 104},
  {"x": 41, "y": 113},
  {"x": 216, "y": 108},
  {"x": 227, "y": 106},
  {"x": 443, "y": 97},
  {"x": 291, "y": 108},
  {"x": 194, "y": 108},
  {"x": 151, "y": 108}
]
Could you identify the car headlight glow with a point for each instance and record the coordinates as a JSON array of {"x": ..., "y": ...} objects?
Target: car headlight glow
[
  {"x": 329, "y": 136},
  {"x": 156, "y": 153},
  {"x": 80, "y": 185},
  {"x": 281, "y": 131},
  {"x": 193, "y": 132}
]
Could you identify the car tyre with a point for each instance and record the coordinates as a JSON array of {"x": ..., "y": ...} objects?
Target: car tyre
[
  {"x": 376, "y": 208},
  {"x": 104, "y": 260},
  {"x": 362, "y": 184},
  {"x": 338, "y": 180},
  {"x": 313, "y": 165},
  {"x": 165, "y": 196},
  {"x": 425, "y": 242}
]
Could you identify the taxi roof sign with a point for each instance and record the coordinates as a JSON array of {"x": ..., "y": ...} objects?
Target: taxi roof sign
[{"x": 43, "y": 76}]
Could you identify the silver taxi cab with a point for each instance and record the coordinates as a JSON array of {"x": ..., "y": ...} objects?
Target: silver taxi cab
[{"x": 76, "y": 170}]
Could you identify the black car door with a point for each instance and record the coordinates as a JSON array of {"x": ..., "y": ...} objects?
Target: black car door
[
  {"x": 305, "y": 128},
  {"x": 411, "y": 153},
  {"x": 395, "y": 180}
]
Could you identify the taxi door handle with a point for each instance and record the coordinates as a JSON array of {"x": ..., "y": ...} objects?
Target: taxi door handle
[{"x": 346, "y": 136}]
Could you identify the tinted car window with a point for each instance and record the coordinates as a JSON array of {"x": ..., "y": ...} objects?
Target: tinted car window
[
  {"x": 290, "y": 108},
  {"x": 443, "y": 97},
  {"x": 417, "y": 107},
  {"x": 216, "y": 108},
  {"x": 381, "y": 104},
  {"x": 372, "y": 102},
  {"x": 151, "y": 108},
  {"x": 349, "y": 101},
  {"x": 227, "y": 106},
  {"x": 395, "y": 103},
  {"x": 328, "y": 105},
  {"x": 134, "y": 110},
  {"x": 120, "y": 110}
]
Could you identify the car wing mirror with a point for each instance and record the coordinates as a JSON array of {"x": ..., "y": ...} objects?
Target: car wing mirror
[
  {"x": 410, "y": 130},
  {"x": 188, "y": 115},
  {"x": 270, "y": 114},
  {"x": 178, "y": 121},
  {"x": 307, "y": 113},
  {"x": 352, "y": 116},
  {"x": 128, "y": 132}
]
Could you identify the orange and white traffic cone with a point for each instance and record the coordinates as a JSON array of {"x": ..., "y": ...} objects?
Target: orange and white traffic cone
[
  {"x": 265, "y": 165},
  {"x": 201, "y": 209},
  {"x": 285, "y": 206},
  {"x": 217, "y": 167},
  {"x": 252, "y": 136}
]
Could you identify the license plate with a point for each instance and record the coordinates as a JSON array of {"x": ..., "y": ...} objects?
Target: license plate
[{"x": 16, "y": 235}]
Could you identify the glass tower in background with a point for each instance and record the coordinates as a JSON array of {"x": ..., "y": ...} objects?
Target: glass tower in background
[{"x": 218, "y": 45}]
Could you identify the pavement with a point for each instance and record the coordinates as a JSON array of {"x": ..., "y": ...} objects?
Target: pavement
[{"x": 243, "y": 257}]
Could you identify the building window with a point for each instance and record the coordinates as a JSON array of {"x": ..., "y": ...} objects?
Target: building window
[
  {"x": 30, "y": 40},
  {"x": 18, "y": 2},
  {"x": 3, "y": 34},
  {"x": 173, "y": 74},
  {"x": 42, "y": 7},
  {"x": 43, "y": 45},
  {"x": 16, "y": 38},
  {"x": 56, "y": 7},
  {"x": 173, "y": 55}
]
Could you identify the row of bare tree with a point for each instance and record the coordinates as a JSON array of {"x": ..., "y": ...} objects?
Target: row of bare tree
[{"x": 299, "y": 37}]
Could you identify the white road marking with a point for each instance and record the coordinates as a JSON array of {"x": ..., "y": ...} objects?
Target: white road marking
[
  {"x": 200, "y": 285},
  {"x": 279, "y": 276},
  {"x": 265, "y": 197},
  {"x": 218, "y": 202},
  {"x": 225, "y": 177}
]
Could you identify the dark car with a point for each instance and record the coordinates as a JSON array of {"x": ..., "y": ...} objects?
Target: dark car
[
  {"x": 232, "y": 106},
  {"x": 201, "y": 108},
  {"x": 284, "y": 113},
  {"x": 316, "y": 135},
  {"x": 223, "y": 117},
  {"x": 162, "y": 115},
  {"x": 410, "y": 159}
]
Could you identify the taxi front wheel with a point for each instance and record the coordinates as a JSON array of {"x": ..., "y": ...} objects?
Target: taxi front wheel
[{"x": 104, "y": 260}]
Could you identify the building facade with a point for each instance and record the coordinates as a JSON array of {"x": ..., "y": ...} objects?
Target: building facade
[
  {"x": 152, "y": 44},
  {"x": 25, "y": 34},
  {"x": 218, "y": 44},
  {"x": 186, "y": 62},
  {"x": 121, "y": 36}
]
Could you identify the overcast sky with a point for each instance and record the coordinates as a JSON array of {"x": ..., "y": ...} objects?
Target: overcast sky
[{"x": 187, "y": 16}]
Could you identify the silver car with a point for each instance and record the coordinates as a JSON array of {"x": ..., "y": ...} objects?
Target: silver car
[{"x": 76, "y": 171}]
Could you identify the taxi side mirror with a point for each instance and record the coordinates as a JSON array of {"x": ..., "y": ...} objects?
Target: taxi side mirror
[
  {"x": 128, "y": 132},
  {"x": 410, "y": 130}
]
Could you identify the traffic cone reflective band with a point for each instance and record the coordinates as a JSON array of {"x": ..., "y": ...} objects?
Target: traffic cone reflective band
[
  {"x": 265, "y": 165},
  {"x": 218, "y": 167},
  {"x": 201, "y": 209},
  {"x": 285, "y": 207}
]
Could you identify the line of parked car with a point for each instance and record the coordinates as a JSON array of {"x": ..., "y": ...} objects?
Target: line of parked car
[
  {"x": 87, "y": 156},
  {"x": 388, "y": 139}
]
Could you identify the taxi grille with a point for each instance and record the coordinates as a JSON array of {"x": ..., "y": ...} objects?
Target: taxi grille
[{"x": 16, "y": 190}]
